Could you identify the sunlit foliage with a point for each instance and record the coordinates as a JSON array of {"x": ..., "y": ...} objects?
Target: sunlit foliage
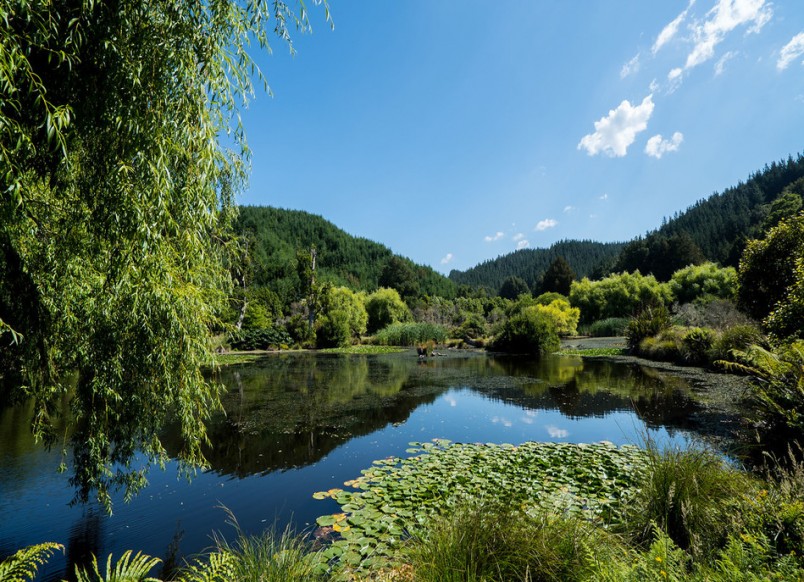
[{"x": 120, "y": 153}]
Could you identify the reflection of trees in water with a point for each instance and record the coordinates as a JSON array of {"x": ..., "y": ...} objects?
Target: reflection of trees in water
[
  {"x": 292, "y": 409},
  {"x": 582, "y": 388},
  {"x": 85, "y": 539}
]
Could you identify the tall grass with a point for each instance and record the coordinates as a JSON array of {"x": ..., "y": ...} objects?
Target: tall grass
[
  {"x": 491, "y": 543},
  {"x": 691, "y": 495}
]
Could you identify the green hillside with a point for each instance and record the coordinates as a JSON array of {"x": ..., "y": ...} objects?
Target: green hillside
[
  {"x": 585, "y": 257},
  {"x": 716, "y": 228},
  {"x": 276, "y": 236}
]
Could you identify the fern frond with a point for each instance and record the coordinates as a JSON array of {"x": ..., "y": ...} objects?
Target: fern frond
[
  {"x": 24, "y": 564},
  {"x": 127, "y": 569},
  {"x": 218, "y": 568}
]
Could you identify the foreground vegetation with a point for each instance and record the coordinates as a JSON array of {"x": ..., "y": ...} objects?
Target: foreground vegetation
[{"x": 537, "y": 511}]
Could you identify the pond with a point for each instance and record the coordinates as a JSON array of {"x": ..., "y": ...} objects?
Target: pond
[{"x": 297, "y": 423}]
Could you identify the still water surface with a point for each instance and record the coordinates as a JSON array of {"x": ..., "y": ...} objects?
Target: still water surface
[{"x": 300, "y": 423}]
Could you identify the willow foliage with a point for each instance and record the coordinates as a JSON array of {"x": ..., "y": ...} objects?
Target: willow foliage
[{"x": 120, "y": 152}]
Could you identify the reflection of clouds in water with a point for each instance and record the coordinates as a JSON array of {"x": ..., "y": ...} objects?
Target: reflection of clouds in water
[
  {"x": 529, "y": 416},
  {"x": 502, "y": 420},
  {"x": 556, "y": 433},
  {"x": 451, "y": 401}
]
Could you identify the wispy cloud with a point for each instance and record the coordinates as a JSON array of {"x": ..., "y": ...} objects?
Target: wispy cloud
[
  {"x": 523, "y": 244},
  {"x": 630, "y": 67},
  {"x": 604, "y": 197},
  {"x": 501, "y": 420},
  {"x": 657, "y": 146},
  {"x": 726, "y": 16},
  {"x": 497, "y": 236},
  {"x": 720, "y": 65},
  {"x": 447, "y": 259},
  {"x": 615, "y": 132},
  {"x": 568, "y": 209},
  {"x": 556, "y": 433},
  {"x": 545, "y": 224},
  {"x": 669, "y": 31},
  {"x": 791, "y": 51},
  {"x": 518, "y": 236}
]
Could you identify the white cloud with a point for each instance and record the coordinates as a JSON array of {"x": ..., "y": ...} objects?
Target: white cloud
[
  {"x": 502, "y": 420},
  {"x": 657, "y": 146},
  {"x": 497, "y": 236},
  {"x": 557, "y": 433},
  {"x": 721, "y": 20},
  {"x": 618, "y": 130},
  {"x": 669, "y": 31},
  {"x": 518, "y": 236},
  {"x": 604, "y": 197},
  {"x": 545, "y": 224},
  {"x": 523, "y": 244},
  {"x": 447, "y": 259},
  {"x": 630, "y": 67},
  {"x": 674, "y": 74},
  {"x": 791, "y": 51},
  {"x": 568, "y": 209},
  {"x": 720, "y": 66},
  {"x": 654, "y": 86}
]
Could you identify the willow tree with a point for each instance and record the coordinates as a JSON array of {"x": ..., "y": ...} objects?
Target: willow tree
[{"x": 121, "y": 149}]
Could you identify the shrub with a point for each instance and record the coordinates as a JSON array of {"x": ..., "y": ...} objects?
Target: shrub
[
  {"x": 384, "y": 307},
  {"x": 664, "y": 347},
  {"x": 696, "y": 345},
  {"x": 474, "y": 326},
  {"x": 411, "y": 334},
  {"x": 648, "y": 323},
  {"x": 260, "y": 339},
  {"x": 719, "y": 314},
  {"x": 619, "y": 295},
  {"x": 612, "y": 326},
  {"x": 737, "y": 337},
  {"x": 530, "y": 331},
  {"x": 549, "y": 297},
  {"x": 703, "y": 281},
  {"x": 564, "y": 317}
]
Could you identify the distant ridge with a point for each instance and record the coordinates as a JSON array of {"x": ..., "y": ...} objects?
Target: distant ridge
[{"x": 584, "y": 256}]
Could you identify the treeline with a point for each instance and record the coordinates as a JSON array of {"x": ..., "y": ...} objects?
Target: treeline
[
  {"x": 274, "y": 238},
  {"x": 585, "y": 258},
  {"x": 717, "y": 228}
]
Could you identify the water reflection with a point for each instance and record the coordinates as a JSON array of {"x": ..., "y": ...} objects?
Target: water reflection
[
  {"x": 296, "y": 423},
  {"x": 291, "y": 410}
]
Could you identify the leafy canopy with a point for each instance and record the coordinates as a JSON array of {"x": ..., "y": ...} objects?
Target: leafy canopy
[{"x": 120, "y": 153}]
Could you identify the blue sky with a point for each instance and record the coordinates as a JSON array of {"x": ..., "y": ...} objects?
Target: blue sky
[{"x": 456, "y": 131}]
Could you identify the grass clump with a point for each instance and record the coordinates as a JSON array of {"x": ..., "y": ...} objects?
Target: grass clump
[
  {"x": 691, "y": 495},
  {"x": 478, "y": 542}
]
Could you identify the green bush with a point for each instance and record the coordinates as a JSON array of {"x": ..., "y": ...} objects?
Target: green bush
[
  {"x": 563, "y": 315},
  {"x": 703, "y": 281},
  {"x": 696, "y": 345},
  {"x": 260, "y": 339},
  {"x": 737, "y": 337},
  {"x": 411, "y": 334},
  {"x": 663, "y": 347},
  {"x": 549, "y": 297},
  {"x": 648, "y": 323},
  {"x": 609, "y": 327},
  {"x": 530, "y": 331},
  {"x": 619, "y": 295},
  {"x": 385, "y": 307}
]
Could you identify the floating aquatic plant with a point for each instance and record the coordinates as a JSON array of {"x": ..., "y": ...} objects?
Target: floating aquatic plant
[{"x": 395, "y": 496}]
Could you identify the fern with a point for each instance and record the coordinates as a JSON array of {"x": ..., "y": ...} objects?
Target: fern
[
  {"x": 127, "y": 569},
  {"x": 24, "y": 564},
  {"x": 219, "y": 568}
]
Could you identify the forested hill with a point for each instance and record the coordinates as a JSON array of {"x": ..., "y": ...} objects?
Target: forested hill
[
  {"x": 584, "y": 257},
  {"x": 716, "y": 228},
  {"x": 277, "y": 235}
]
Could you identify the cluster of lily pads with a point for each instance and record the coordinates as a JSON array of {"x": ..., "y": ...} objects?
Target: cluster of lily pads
[{"x": 394, "y": 497}]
